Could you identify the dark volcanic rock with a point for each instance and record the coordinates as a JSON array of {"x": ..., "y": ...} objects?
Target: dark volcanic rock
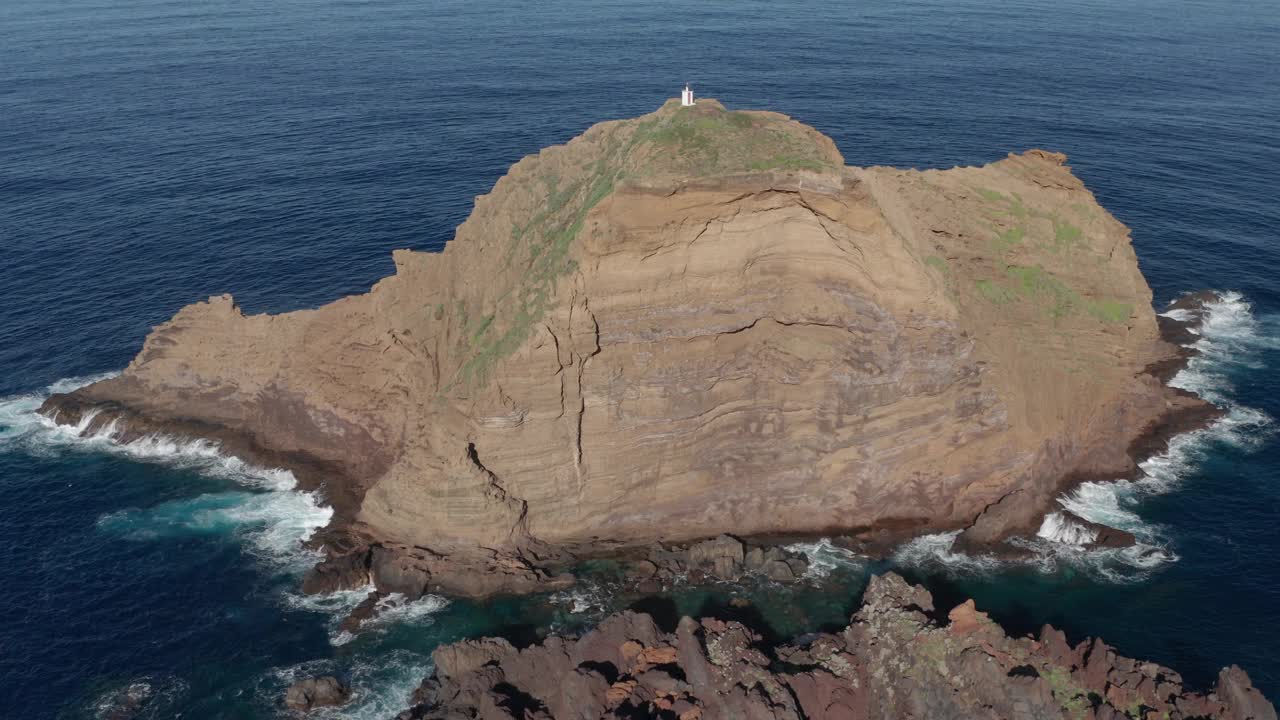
[
  {"x": 723, "y": 558},
  {"x": 366, "y": 610},
  {"x": 1242, "y": 699},
  {"x": 894, "y": 660},
  {"x": 311, "y": 693}
]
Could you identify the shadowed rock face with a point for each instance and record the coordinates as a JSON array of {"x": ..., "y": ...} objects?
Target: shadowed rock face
[
  {"x": 694, "y": 322},
  {"x": 894, "y": 660}
]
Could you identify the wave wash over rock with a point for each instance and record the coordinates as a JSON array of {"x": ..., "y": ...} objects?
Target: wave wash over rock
[{"x": 692, "y": 322}]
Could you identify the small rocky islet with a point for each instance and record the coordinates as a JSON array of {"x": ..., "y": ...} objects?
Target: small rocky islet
[{"x": 684, "y": 331}]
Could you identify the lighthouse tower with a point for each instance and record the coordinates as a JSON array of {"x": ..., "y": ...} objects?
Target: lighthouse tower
[{"x": 686, "y": 97}]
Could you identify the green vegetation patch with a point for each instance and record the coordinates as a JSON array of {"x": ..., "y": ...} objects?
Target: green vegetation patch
[
  {"x": 706, "y": 140},
  {"x": 539, "y": 251},
  {"x": 995, "y": 292},
  {"x": 695, "y": 141},
  {"x": 1006, "y": 240},
  {"x": 1110, "y": 311},
  {"x": 936, "y": 263},
  {"x": 1073, "y": 699},
  {"x": 1010, "y": 204},
  {"x": 1065, "y": 235},
  {"x": 1035, "y": 284}
]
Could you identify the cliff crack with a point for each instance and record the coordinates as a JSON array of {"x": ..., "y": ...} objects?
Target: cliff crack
[
  {"x": 582, "y": 401},
  {"x": 785, "y": 323},
  {"x": 497, "y": 492}
]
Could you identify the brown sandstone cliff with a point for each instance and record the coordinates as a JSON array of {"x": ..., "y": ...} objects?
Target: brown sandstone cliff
[{"x": 693, "y": 322}]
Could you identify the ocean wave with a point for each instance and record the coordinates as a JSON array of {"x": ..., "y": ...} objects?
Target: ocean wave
[
  {"x": 937, "y": 551},
  {"x": 268, "y": 511},
  {"x": 20, "y": 420},
  {"x": 826, "y": 557},
  {"x": 586, "y": 597},
  {"x": 144, "y": 698},
  {"x": 381, "y": 683},
  {"x": 394, "y": 609},
  {"x": 1058, "y": 528},
  {"x": 1230, "y": 338}
]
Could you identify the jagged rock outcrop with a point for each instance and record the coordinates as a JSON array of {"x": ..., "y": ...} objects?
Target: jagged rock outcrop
[
  {"x": 724, "y": 558},
  {"x": 311, "y": 693},
  {"x": 894, "y": 660},
  {"x": 689, "y": 323}
]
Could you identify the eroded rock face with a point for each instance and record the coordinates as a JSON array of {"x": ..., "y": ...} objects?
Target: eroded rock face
[
  {"x": 892, "y": 661},
  {"x": 685, "y": 324}
]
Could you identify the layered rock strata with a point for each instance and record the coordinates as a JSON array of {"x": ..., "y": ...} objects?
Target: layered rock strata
[
  {"x": 694, "y": 322},
  {"x": 896, "y": 659}
]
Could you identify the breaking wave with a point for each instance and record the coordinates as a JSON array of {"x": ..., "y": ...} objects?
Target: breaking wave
[
  {"x": 144, "y": 698},
  {"x": 938, "y": 551},
  {"x": 264, "y": 508},
  {"x": 587, "y": 598},
  {"x": 1060, "y": 529},
  {"x": 1231, "y": 339},
  {"x": 382, "y": 683},
  {"x": 394, "y": 609},
  {"x": 826, "y": 557}
]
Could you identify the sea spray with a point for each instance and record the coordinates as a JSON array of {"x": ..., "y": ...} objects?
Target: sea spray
[
  {"x": 825, "y": 557},
  {"x": 381, "y": 683},
  {"x": 1229, "y": 337},
  {"x": 1060, "y": 529},
  {"x": 264, "y": 508},
  {"x": 936, "y": 551}
]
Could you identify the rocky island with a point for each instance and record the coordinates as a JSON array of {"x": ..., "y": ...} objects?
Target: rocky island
[{"x": 695, "y": 323}]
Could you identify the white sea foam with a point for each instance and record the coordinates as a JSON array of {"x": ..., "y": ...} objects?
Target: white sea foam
[
  {"x": 589, "y": 600},
  {"x": 396, "y": 609},
  {"x": 392, "y": 610},
  {"x": 1230, "y": 338},
  {"x": 269, "y": 512},
  {"x": 1058, "y": 528},
  {"x": 937, "y": 551},
  {"x": 1179, "y": 314},
  {"x": 156, "y": 694},
  {"x": 585, "y": 597},
  {"x": 826, "y": 557},
  {"x": 382, "y": 683}
]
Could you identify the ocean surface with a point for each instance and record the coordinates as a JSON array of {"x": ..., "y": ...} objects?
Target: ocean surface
[{"x": 156, "y": 152}]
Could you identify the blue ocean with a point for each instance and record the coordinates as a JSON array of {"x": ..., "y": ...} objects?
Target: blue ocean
[{"x": 156, "y": 152}]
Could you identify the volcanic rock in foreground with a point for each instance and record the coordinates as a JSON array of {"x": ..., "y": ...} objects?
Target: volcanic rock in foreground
[
  {"x": 689, "y": 323},
  {"x": 892, "y": 661}
]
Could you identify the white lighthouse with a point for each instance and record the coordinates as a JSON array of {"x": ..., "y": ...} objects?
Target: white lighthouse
[{"x": 686, "y": 97}]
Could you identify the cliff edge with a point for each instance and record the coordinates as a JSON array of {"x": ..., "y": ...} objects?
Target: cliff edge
[{"x": 693, "y": 322}]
